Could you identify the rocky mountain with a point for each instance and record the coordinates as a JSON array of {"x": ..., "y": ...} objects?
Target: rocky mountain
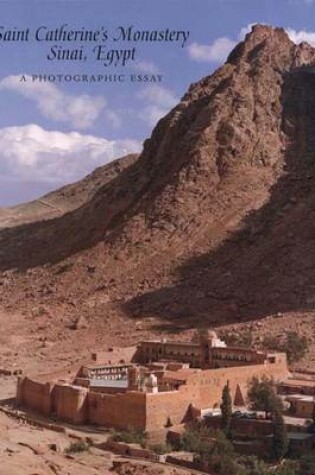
[{"x": 212, "y": 223}]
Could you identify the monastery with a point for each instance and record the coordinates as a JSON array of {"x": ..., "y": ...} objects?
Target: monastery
[{"x": 159, "y": 384}]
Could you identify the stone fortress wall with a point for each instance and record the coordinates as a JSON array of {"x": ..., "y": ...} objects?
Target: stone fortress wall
[
  {"x": 203, "y": 391},
  {"x": 120, "y": 411},
  {"x": 35, "y": 395},
  {"x": 142, "y": 410}
]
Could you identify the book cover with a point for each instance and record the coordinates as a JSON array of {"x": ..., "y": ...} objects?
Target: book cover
[{"x": 156, "y": 236}]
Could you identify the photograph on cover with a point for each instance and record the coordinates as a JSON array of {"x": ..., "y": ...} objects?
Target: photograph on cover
[{"x": 157, "y": 286}]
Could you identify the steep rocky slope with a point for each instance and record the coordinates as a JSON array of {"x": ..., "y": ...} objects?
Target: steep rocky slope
[{"x": 213, "y": 222}]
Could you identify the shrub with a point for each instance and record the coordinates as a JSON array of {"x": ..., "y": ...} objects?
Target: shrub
[
  {"x": 77, "y": 447},
  {"x": 161, "y": 449},
  {"x": 130, "y": 436},
  {"x": 252, "y": 465},
  {"x": 244, "y": 339},
  {"x": 289, "y": 467}
]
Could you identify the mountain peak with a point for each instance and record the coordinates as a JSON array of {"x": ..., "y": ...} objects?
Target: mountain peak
[
  {"x": 260, "y": 32},
  {"x": 200, "y": 224},
  {"x": 272, "y": 45},
  {"x": 261, "y": 39}
]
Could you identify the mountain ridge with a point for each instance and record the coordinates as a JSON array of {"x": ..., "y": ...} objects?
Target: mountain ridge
[
  {"x": 197, "y": 229},
  {"x": 64, "y": 199}
]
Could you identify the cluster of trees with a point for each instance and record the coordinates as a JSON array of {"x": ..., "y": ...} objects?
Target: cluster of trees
[
  {"x": 295, "y": 346},
  {"x": 263, "y": 397},
  {"x": 214, "y": 449},
  {"x": 244, "y": 338},
  {"x": 215, "y": 453}
]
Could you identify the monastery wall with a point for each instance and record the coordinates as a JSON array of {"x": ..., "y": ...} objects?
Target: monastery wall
[
  {"x": 121, "y": 411},
  {"x": 212, "y": 381},
  {"x": 173, "y": 406},
  {"x": 143, "y": 411},
  {"x": 204, "y": 390},
  {"x": 70, "y": 403},
  {"x": 35, "y": 395}
]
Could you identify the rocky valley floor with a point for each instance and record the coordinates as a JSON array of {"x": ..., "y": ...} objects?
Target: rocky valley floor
[{"x": 27, "y": 450}]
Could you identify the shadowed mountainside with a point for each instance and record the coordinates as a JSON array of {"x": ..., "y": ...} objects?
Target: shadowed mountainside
[
  {"x": 267, "y": 265},
  {"x": 212, "y": 222}
]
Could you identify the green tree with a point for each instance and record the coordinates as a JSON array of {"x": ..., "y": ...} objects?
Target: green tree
[
  {"x": 200, "y": 333},
  {"x": 272, "y": 343},
  {"x": 196, "y": 439},
  {"x": 308, "y": 464},
  {"x": 295, "y": 346},
  {"x": 220, "y": 457},
  {"x": 226, "y": 410},
  {"x": 212, "y": 450},
  {"x": 280, "y": 438},
  {"x": 263, "y": 396},
  {"x": 244, "y": 339}
]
